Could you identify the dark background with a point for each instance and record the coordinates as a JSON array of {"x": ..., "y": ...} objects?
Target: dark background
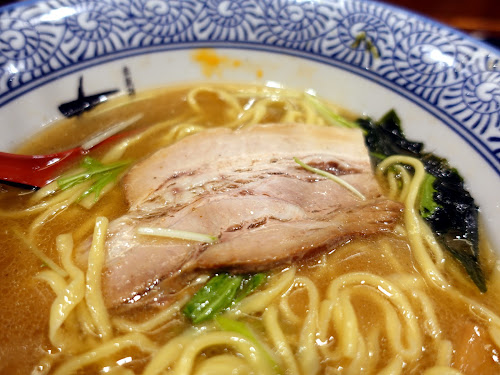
[{"x": 480, "y": 18}]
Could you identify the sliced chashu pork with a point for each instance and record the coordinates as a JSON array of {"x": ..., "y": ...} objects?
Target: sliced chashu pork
[{"x": 245, "y": 188}]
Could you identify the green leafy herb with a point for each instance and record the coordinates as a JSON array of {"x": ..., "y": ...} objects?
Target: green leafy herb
[
  {"x": 219, "y": 293},
  {"x": 428, "y": 205},
  {"x": 328, "y": 114},
  {"x": 100, "y": 174},
  {"x": 215, "y": 296},
  {"x": 444, "y": 202}
]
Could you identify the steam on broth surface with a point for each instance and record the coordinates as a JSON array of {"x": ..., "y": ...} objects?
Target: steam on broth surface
[{"x": 393, "y": 302}]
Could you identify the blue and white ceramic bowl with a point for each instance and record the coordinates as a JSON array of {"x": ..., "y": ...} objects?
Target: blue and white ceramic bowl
[{"x": 365, "y": 56}]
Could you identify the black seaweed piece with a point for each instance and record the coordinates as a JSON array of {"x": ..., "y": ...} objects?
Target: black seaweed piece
[
  {"x": 386, "y": 138},
  {"x": 455, "y": 220}
]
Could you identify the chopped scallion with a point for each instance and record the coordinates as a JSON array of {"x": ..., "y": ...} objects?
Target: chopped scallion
[
  {"x": 332, "y": 177},
  {"x": 242, "y": 328},
  {"x": 219, "y": 293},
  {"x": 179, "y": 234},
  {"x": 249, "y": 284},
  {"x": 328, "y": 114}
]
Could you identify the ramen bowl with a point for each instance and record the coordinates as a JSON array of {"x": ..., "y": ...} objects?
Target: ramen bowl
[{"x": 366, "y": 57}]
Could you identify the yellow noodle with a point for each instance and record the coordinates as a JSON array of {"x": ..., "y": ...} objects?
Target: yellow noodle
[
  {"x": 37, "y": 252},
  {"x": 119, "y": 370},
  {"x": 291, "y": 115},
  {"x": 46, "y": 216},
  {"x": 326, "y": 310},
  {"x": 70, "y": 339},
  {"x": 494, "y": 332},
  {"x": 394, "y": 331},
  {"x": 241, "y": 344},
  {"x": 252, "y": 115},
  {"x": 457, "y": 273},
  {"x": 55, "y": 281},
  {"x": 431, "y": 323},
  {"x": 393, "y": 368},
  {"x": 258, "y": 301},
  {"x": 69, "y": 195},
  {"x": 118, "y": 150},
  {"x": 28, "y": 211},
  {"x": 444, "y": 353},
  {"x": 360, "y": 361},
  {"x": 105, "y": 350},
  {"x": 441, "y": 370},
  {"x": 74, "y": 292},
  {"x": 178, "y": 132},
  {"x": 169, "y": 353},
  {"x": 405, "y": 179},
  {"x": 392, "y": 181},
  {"x": 52, "y": 210},
  {"x": 85, "y": 320},
  {"x": 414, "y": 287},
  {"x": 90, "y": 200},
  {"x": 311, "y": 115},
  {"x": 277, "y": 337},
  {"x": 44, "y": 192},
  {"x": 329, "y": 311},
  {"x": 224, "y": 364},
  {"x": 478, "y": 309},
  {"x": 230, "y": 100},
  {"x": 391, "y": 258},
  {"x": 373, "y": 350},
  {"x": 93, "y": 291},
  {"x": 413, "y": 221},
  {"x": 346, "y": 326},
  {"x": 156, "y": 321},
  {"x": 184, "y": 130},
  {"x": 325, "y": 315},
  {"x": 432, "y": 244},
  {"x": 64, "y": 244},
  {"x": 288, "y": 313},
  {"x": 307, "y": 353},
  {"x": 391, "y": 292}
]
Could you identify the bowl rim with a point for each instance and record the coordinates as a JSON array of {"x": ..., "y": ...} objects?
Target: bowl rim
[{"x": 476, "y": 141}]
